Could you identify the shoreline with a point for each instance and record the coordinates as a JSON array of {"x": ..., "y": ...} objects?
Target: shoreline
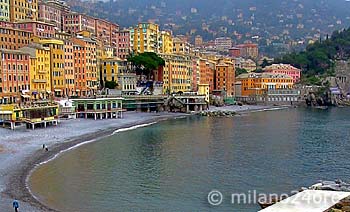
[{"x": 16, "y": 186}]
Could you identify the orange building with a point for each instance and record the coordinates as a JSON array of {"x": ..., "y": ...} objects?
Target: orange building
[
  {"x": 225, "y": 77},
  {"x": 14, "y": 76},
  {"x": 206, "y": 73},
  {"x": 258, "y": 83},
  {"x": 11, "y": 38},
  {"x": 85, "y": 66},
  {"x": 288, "y": 69}
]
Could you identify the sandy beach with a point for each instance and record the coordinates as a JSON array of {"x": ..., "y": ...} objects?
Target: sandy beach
[{"x": 21, "y": 150}]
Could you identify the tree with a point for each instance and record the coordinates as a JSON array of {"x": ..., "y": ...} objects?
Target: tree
[
  {"x": 240, "y": 71},
  {"x": 265, "y": 63},
  {"x": 111, "y": 84},
  {"x": 145, "y": 63}
]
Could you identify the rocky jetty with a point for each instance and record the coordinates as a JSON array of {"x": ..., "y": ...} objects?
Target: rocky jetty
[{"x": 218, "y": 113}]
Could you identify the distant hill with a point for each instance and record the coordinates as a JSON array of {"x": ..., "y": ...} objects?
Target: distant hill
[{"x": 262, "y": 21}]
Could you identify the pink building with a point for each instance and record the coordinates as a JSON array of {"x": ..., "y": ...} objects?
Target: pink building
[
  {"x": 76, "y": 22},
  {"x": 291, "y": 71},
  {"x": 123, "y": 44},
  {"x": 38, "y": 28}
]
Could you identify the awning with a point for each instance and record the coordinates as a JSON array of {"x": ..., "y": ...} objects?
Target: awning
[
  {"x": 58, "y": 90},
  {"x": 77, "y": 90}
]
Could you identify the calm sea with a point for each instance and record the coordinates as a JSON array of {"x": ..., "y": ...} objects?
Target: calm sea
[{"x": 173, "y": 165}]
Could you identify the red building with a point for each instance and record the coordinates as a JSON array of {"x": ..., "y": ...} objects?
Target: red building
[
  {"x": 235, "y": 52},
  {"x": 53, "y": 12},
  {"x": 249, "y": 50},
  {"x": 14, "y": 76},
  {"x": 291, "y": 71}
]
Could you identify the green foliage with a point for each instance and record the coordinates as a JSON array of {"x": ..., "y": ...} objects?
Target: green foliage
[
  {"x": 259, "y": 70},
  {"x": 146, "y": 62},
  {"x": 264, "y": 63},
  {"x": 240, "y": 71},
  {"x": 317, "y": 61},
  {"x": 110, "y": 84}
]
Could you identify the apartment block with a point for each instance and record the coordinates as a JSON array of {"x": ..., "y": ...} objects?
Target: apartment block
[
  {"x": 177, "y": 73},
  {"x": 5, "y": 10},
  {"x": 11, "y": 38},
  {"x": 76, "y": 22},
  {"x": 165, "y": 42},
  {"x": 14, "y": 76},
  {"x": 23, "y": 10},
  {"x": 85, "y": 65},
  {"x": 53, "y": 11},
  {"x": 38, "y": 28},
  {"x": 144, "y": 38},
  {"x": 225, "y": 77},
  {"x": 40, "y": 76},
  {"x": 123, "y": 50}
]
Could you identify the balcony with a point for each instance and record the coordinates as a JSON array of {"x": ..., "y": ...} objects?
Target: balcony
[{"x": 39, "y": 80}]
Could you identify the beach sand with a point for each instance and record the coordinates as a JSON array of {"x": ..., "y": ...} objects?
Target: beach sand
[{"x": 21, "y": 150}]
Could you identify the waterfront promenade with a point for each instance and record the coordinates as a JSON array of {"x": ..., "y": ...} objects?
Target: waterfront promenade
[{"x": 20, "y": 150}]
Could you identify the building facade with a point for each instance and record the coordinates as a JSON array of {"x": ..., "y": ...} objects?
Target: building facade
[
  {"x": 53, "y": 11},
  {"x": 14, "y": 76},
  {"x": 253, "y": 84},
  {"x": 223, "y": 43},
  {"x": 23, "y": 10},
  {"x": 123, "y": 50},
  {"x": 288, "y": 69},
  {"x": 144, "y": 38},
  {"x": 249, "y": 50},
  {"x": 76, "y": 22},
  {"x": 225, "y": 77},
  {"x": 40, "y": 76},
  {"x": 5, "y": 10},
  {"x": 177, "y": 73},
  {"x": 11, "y": 38},
  {"x": 165, "y": 42}
]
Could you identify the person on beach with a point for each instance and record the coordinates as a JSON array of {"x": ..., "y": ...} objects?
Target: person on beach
[
  {"x": 15, "y": 205},
  {"x": 43, "y": 146},
  {"x": 47, "y": 149}
]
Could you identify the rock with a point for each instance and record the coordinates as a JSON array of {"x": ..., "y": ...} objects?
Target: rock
[{"x": 345, "y": 208}]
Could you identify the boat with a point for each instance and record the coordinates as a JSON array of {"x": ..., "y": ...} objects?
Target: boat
[{"x": 322, "y": 107}]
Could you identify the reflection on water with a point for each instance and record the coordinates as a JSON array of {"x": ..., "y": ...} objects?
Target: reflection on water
[{"x": 173, "y": 165}]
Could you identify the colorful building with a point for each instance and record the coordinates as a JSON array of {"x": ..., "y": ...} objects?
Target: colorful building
[
  {"x": 53, "y": 11},
  {"x": 11, "y": 38},
  {"x": 69, "y": 68},
  {"x": 181, "y": 46},
  {"x": 5, "y": 10},
  {"x": 258, "y": 83},
  {"x": 14, "y": 76},
  {"x": 107, "y": 32},
  {"x": 225, "y": 77},
  {"x": 198, "y": 41},
  {"x": 23, "y": 10},
  {"x": 76, "y": 22},
  {"x": 57, "y": 69},
  {"x": 123, "y": 50},
  {"x": 38, "y": 28},
  {"x": 249, "y": 50},
  {"x": 40, "y": 76},
  {"x": 144, "y": 38},
  {"x": 177, "y": 73},
  {"x": 223, "y": 43},
  {"x": 288, "y": 69},
  {"x": 85, "y": 65},
  {"x": 165, "y": 42},
  {"x": 207, "y": 73},
  {"x": 110, "y": 69}
]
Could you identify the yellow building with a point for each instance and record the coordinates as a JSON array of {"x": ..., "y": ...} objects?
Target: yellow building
[
  {"x": 40, "y": 77},
  {"x": 181, "y": 46},
  {"x": 203, "y": 89},
  {"x": 5, "y": 10},
  {"x": 259, "y": 83},
  {"x": 23, "y": 10},
  {"x": 144, "y": 38},
  {"x": 177, "y": 73},
  {"x": 165, "y": 42},
  {"x": 57, "y": 71},
  {"x": 110, "y": 68}
]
